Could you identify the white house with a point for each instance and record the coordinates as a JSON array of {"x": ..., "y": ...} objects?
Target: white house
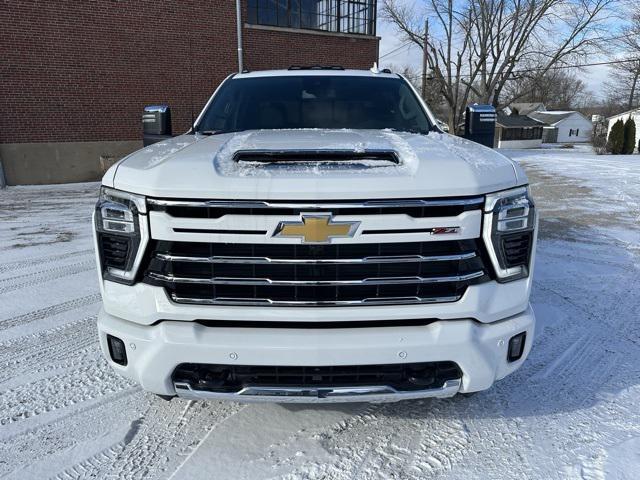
[
  {"x": 624, "y": 116},
  {"x": 564, "y": 126}
]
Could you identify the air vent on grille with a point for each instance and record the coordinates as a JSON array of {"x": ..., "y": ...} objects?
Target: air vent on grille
[
  {"x": 115, "y": 250},
  {"x": 232, "y": 378},
  {"x": 517, "y": 249}
]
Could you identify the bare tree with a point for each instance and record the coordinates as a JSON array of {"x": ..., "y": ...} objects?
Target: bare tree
[
  {"x": 624, "y": 80},
  {"x": 476, "y": 47},
  {"x": 433, "y": 97},
  {"x": 557, "y": 89}
]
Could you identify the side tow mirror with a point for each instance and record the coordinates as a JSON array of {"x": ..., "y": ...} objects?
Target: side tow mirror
[{"x": 156, "y": 124}]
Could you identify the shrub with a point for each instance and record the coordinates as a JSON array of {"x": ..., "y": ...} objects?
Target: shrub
[
  {"x": 599, "y": 139},
  {"x": 615, "y": 142},
  {"x": 629, "y": 137}
]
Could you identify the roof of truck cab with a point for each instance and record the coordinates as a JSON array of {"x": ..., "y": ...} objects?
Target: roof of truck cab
[{"x": 314, "y": 73}]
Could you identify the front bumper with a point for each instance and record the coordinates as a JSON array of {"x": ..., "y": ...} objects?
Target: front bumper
[{"x": 480, "y": 350}]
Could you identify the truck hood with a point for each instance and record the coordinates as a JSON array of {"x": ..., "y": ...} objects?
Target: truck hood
[{"x": 197, "y": 166}]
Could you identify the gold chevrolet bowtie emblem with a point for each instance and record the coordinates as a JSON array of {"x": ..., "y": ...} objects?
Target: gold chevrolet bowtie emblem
[{"x": 316, "y": 228}]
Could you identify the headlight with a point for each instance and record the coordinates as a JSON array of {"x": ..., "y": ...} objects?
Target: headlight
[
  {"x": 509, "y": 232},
  {"x": 121, "y": 233}
]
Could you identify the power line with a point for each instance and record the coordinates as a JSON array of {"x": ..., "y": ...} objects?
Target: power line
[
  {"x": 395, "y": 50},
  {"x": 410, "y": 42},
  {"x": 554, "y": 67}
]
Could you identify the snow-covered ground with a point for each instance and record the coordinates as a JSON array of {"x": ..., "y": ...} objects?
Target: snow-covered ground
[{"x": 573, "y": 410}]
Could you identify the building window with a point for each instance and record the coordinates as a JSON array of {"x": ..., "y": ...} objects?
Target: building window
[{"x": 344, "y": 16}]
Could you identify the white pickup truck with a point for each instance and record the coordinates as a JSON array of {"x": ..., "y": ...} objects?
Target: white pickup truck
[{"x": 315, "y": 238}]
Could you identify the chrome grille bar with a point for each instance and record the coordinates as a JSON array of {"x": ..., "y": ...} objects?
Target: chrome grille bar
[
  {"x": 314, "y": 261},
  {"x": 307, "y": 303},
  {"x": 268, "y": 281},
  {"x": 375, "y": 394},
  {"x": 410, "y": 202}
]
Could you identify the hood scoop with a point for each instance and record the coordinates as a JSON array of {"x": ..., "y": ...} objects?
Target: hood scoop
[{"x": 384, "y": 157}]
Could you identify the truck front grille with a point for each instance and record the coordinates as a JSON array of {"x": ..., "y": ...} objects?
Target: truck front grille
[
  {"x": 233, "y": 378},
  {"x": 318, "y": 275}
]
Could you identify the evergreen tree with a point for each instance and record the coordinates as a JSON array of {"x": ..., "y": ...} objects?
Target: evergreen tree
[
  {"x": 615, "y": 143},
  {"x": 629, "y": 136}
]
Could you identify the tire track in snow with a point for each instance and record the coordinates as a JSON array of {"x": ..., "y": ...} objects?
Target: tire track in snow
[
  {"x": 591, "y": 261},
  {"x": 570, "y": 350},
  {"x": 40, "y": 350},
  {"x": 439, "y": 453},
  {"x": 44, "y": 276},
  {"x": 50, "y": 311},
  {"x": 91, "y": 380},
  {"x": 37, "y": 273},
  {"x": 20, "y": 264},
  {"x": 573, "y": 363},
  {"x": 305, "y": 430},
  {"x": 408, "y": 440},
  {"x": 164, "y": 430},
  {"x": 34, "y": 371},
  {"x": 50, "y": 431},
  {"x": 166, "y": 433},
  {"x": 101, "y": 460},
  {"x": 424, "y": 442}
]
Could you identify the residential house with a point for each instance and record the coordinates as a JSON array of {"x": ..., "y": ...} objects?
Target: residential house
[
  {"x": 624, "y": 116},
  {"x": 564, "y": 126}
]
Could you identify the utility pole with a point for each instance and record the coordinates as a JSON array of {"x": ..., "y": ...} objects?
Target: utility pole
[
  {"x": 425, "y": 54},
  {"x": 239, "y": 33}
]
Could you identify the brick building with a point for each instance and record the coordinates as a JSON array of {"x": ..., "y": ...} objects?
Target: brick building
[{"x": 75, "y": 76}]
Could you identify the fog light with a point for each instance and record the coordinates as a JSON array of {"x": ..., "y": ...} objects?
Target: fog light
[
  {"x": 117, "y": 350},
  {"x": 516, "y": 347}
]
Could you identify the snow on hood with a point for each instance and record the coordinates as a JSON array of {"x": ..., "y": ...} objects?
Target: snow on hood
[
  {"x": 161, "y": 151},
  {"x": 316, "y": 139},
  {"x": 433, "y": 165}
]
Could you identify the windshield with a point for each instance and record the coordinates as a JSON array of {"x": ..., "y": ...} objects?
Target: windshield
[{"x": 288, "y": 102}]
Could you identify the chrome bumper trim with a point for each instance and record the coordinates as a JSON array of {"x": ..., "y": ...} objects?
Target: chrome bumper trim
[{"x": 373, "y": 394}]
